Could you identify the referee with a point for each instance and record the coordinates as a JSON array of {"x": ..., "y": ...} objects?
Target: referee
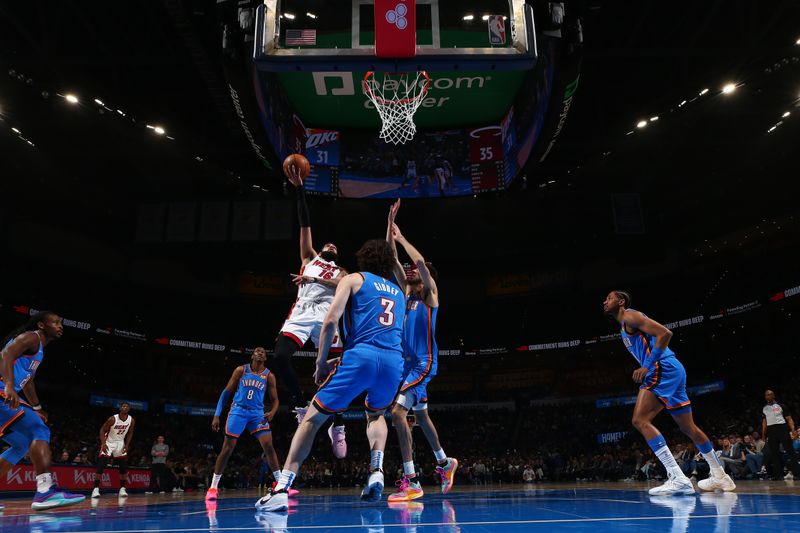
[{"x": 778, "y": 428}]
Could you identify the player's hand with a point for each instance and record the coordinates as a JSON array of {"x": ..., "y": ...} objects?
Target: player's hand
[
  {"x": 268, "y": 416},
  {"x": 393, "y": 211},
  {"x": 215, "y": 424},
  {"x": 12, "y": 398},
  {"x": 104, "y": 449},
  {"x": 299, "y": 279},
  {"x": 293, "y": 174},
  {"x": 639, "y": 374},
  {"x": 793, "y": 434},
  {"x": 321, "y": 372},
  {"x": 396, "y": 234},
  {"x": 124, "y": 450}
]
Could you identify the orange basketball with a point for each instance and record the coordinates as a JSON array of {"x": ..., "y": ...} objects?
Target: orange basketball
[{"x": 300, "y": 162}]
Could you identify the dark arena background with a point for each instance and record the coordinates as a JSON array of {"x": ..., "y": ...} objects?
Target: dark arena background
[{"x": 563, "y": 151}]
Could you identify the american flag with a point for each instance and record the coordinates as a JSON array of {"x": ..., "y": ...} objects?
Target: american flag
[{"x": 301, "y": 37}]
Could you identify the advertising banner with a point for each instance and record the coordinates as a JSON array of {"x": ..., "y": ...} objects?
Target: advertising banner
[{"x": 23, "y": 478}]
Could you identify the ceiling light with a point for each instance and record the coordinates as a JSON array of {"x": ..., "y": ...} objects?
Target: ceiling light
[
  {"x": 98, "y": 102},
  {"x": 682, "y": 104},
  {"x": 159, "y": 130},
  {"x": 311, "y": 15},
  {"x": 15, "y": 130},
  {"x": 771, "y": 129},
  {"x": 469, "y": 17},
  {"x": 729, "y": 88},
  {"x": 641, "y": 124},
  {"x": 120, "y": 112},
  {"x": 653, "y": 119},
  {"x": 704, "y": 91},
  {"x": 289, "y": 16},
  {"x": 797, "y": 42},
  {"x": 71, "y": 98},
  {"x": 485, "y": 17},
  {"x": 786, "y": 114}
]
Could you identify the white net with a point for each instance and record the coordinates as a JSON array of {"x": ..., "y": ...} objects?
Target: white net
[{"x": 397, "y": 96}]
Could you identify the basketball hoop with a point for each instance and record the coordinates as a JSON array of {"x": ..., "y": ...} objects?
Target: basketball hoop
[{"x": 397, "y": 98}]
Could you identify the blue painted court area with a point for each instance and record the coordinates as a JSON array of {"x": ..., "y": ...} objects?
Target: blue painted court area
[{"x": 580, "y": 509}]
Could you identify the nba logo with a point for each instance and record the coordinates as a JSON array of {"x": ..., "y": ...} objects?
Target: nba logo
[{"x": 497, "y": 30}]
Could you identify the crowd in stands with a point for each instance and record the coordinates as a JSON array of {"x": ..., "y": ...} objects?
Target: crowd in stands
[{"x": 502, "y": 445}]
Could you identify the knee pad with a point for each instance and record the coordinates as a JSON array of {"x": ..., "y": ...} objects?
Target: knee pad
[
  {"x": 123, "y": 466},
  {"x": 19, "y": 447},
  {"x": 284, "y": 349}
]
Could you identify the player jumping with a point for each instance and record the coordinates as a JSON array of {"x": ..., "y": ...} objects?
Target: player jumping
[
  {"x": 22, "y": 424},
  {"x": 372, "y": 362},
  {"x": 115, "y": 439},
  {"x": 663, "y": 384},
  {"x": 421, "y": 354},
  {"x": 316, "y": 283},
  {"x": 247, "y": 386}
]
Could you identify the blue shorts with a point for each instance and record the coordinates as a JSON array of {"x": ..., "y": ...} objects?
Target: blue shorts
[
  {"x": 244, "y": 419},
  {"x": 413, "y": 392},
  {"x": 362, "y": 368},
  {"x": 9, "y": 416},
  {"x": 667, "y": 380}
]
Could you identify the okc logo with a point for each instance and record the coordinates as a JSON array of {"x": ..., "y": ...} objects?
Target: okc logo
[{"x": 397, "y": 16}]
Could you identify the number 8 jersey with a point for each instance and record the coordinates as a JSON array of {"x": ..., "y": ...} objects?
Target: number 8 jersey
[
  {"x": 375, "y": 314},
  {"x": 250, "y": 393}
]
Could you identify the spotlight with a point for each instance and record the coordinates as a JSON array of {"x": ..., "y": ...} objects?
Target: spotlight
[
  {"x": 641, "y": 124},
  {"x": 311, "y": 15},
  {"x": 98, "y": 102},
  {"x": 485, "y": 17},
  {"x": 159, "y": 130},
  {"x": 71, "y": 98},
  {"x": 653, "y": 119},
  {"x": 797, "y": 42},
  {"x": 683, "y": 103},
  {"x": 468, "y": 17},
  {"x": 729, "y": 88},
  {"x": 289, "y": 16},
  {"x": 786, "y": 114},
  {"x": 15, "y": 130},
  {"x": 704, "y": 91}
]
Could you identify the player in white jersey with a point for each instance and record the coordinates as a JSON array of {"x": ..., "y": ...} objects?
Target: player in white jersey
[
  {"x": 316, "y": 284},
  {"x": 115, "y": 438}
]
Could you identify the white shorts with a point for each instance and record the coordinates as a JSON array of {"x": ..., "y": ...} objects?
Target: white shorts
[
  {"x": 114, "y": 450},
  {"x": 411, "y": 174},
  {"x": 305, "y": 322}
]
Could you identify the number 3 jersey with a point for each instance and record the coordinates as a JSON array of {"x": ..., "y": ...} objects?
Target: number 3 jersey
[
  {"x": 250, "y": 393},
  {"x": 375, "y": 315}
]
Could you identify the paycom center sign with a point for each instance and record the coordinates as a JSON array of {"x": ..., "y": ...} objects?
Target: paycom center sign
[{"x": 336, "y": 100}]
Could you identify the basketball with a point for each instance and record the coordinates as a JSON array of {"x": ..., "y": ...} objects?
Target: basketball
[{"x": 300, "y": 162}]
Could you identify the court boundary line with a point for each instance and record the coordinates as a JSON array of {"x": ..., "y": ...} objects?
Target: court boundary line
[{"x": 457, "y": 523}]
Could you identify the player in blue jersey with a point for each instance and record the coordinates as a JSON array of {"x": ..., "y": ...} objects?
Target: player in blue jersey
[
  {"x": 23, "y": 424},
  {"x": 663, "y": 385},
  {"x": 421, "y": 363},
  {"x": 372, "y": 362},
  {"x": 247, "y": 386}
]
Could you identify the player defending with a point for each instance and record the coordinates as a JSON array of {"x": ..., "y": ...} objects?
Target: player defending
[
  {"x": 372, "y": 362},
  {"x": 316, "y": 284},
  {"x": 663, "y": 384},
  {"x": 115, "y": 439},
  {"x": 421, "y": 354},
  {"x": 247, "y": 386},
  {"x": 22, "y": 424}
]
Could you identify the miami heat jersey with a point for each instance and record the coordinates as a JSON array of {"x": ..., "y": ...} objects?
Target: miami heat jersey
[
  {"x": 250, "y": 393},
  {"x": 640, "y": 345},
  {"x": 321, "y": 269},
  {"x": 419, "y": 334},
  {"x": 25, "y": 366},
  {"x": 119, "y": 429},
  {"x": 375, "y": 315}
]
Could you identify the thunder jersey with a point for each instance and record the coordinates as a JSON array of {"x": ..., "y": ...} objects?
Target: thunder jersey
[
  {"x": 640, "y": 344},
  {"x": 119, "y": 429},
  {"x": 250, "y": 393},
  {"x": 375, "y": 315},
  {"x": 321, "y": 269},
  {"x": 25, "y": 366},
  {"x": 419, "y": 334}
]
